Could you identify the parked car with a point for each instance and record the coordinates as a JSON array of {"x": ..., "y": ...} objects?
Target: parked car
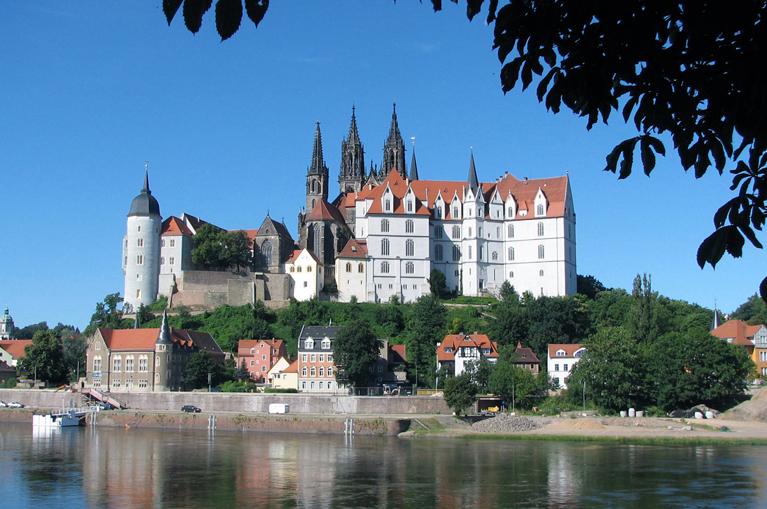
[
  {"x": 15, "y": 404},
  {"x": 191, "y": 409},
  {"x": 3, "y": 404}
]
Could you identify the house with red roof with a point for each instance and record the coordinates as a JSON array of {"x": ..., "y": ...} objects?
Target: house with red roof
[
  {"x": 751, "y": 337},
  {"x": 560, "y": 360},
  {"x": 456, "y": 351},
  {"x": 144, "y": 360},
  {"x": 306, "y": 274},
  {"x": 258, "y": 356},
  {"x": 13, "y": 350}
]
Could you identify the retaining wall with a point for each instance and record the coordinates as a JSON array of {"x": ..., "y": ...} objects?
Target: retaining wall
[{"x": 314, "y": 404}]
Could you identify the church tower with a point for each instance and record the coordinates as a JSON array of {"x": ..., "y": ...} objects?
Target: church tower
[
  {"x": 6, "y": 325},
  {"x": 316, "y": 174},
  {"x": 352, "y": 174},
  {"x": 394, "y": 150},
  {"x": 141, "y": 249},
  {"x": 162, "y": 352}
]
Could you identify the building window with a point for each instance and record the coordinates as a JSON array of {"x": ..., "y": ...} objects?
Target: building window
[
  {"x": 309, "y": 344},
  {"x": 511, "y": 273},
  {"x": 456, "y": 253},
  {"x": 455, "y": 212},
  {"x": 139, "y": 228},
  {"x": 360, "y": 268},
  {"x": 385, "y": 225},
  {"x": 409, "y": 268},
  {"x": 539, "y": 209},
  {"x": 511, "y": 254},
  {"x": 299, "y": 268},
  {"x": 556, "y": 367},
  {"x": 140, "y": 259},
  {"x": 292, "y": 269},
  {"x": 409, "y": 247},
  {"x": 456, "y": 232},
  {"x": 303, "y": 358},
  {"x": 469, "y": 252},
  {"x": 314, "y": 357},
  {"x": 494, "y": 256},
  {"x": 116, "y": 364},
  {"x": 330, "y": 357},
  {"x": 303, "y": 371},
  {"x": 313, "y": 372},
  {"x": 479, "y": 231},
  {"x": 129, "y": 363},
  {"x": 162, "y": 243},
  {"x": 348, "y": 267},
  {"x": 385, "y": 247},
  {"x": 387, "y": 206},
  {"x": 410, "y": 205},
  {"x": 540, "y": 252},
  {"x": 409, "y": 226},
  {"x": 498, "y": 232},
  {"x": 172, "y": 260},
  {"x": 140, "y": 242},
  {"x": 322, "y": 371},
  {"x": 330, "y": 371},
  {"x": 540, "y": 228},
  {"x": 97, "y": 364},
  {"x": 438, "y": 252},
  {"x": 321, "y": 357},
  {"x": 438, "y": 212},
  {"x": 308, "y": 268},
  {"x": 540, "y": 273},
  {"x": 469, "y": 234},
  {"x": 438, "y": 232},
  {"x": 138, "y": 293},
  {"x": 326, "y": 344},
  {"x": 481, "y": 253},
  {"x": 510, "y": 231},
  {"x": 263, "y": 368},
  {"x": 385, "y": 267},
  {"x": 162, "y": 260},
  {"x": 172, "y": 243}
]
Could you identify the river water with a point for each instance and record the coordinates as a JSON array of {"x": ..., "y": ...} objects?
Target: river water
[{"x": 102, "y": 467}]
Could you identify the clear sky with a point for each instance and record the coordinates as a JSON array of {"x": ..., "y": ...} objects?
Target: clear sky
[{"x": 91, "y": 89}]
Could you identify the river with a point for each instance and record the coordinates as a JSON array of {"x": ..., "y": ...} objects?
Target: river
[{"x": 102, "y": 467}]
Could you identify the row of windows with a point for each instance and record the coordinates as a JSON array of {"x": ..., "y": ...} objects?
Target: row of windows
[
  {"x": 309, "y": 344},
  {"x": 171, "y": 260},
  {"x": 172, "y": 242},
  {"x": 409, "y": 268},
  {"x": 143, "y": 363},
  {"x": 299, "y": 268},
  {"x": 360, "y": 267},
  {"x": 320, "y": 383},
  {"x": 313, "y": 372},
  {"x": 316, "y": 357},
  {"x": 409, "y": 247},
  {"x": 391, "y": 286},
  {"x": 456, "y": 230}
]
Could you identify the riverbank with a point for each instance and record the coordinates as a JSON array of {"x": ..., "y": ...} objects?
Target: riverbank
[{"x": 645, "y": 430}]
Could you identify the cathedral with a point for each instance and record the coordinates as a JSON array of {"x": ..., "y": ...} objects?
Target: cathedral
[{"x": 380, "y": 237}]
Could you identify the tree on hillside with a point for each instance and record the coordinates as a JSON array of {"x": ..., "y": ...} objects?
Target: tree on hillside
[
  {"x": 438, "y": 284},
  {"x": 107, "y": 315},
  {"x": 643, "y": 318},
  {"x": 689, "y": 369},
  {"x": 355, "y": 352},
  {"x": 391, "y": 318},
  {"x": 425, "y": 328},
  {"x": 590, "y": 286},
  {"x": 612, "y": 370},
  {"x": 44, "y": 359},
  {"x": 753, "y": 311},
  {"x": 610, "y": 308},
  {"x": 197, "y": 368},
  {"x": 518, "y": 387},
  {"x": 217, "y": 249},
  {"x": 686, "y": 69},
  {"x": 460, "y": 392},
  {"x": 29, "y": 331}
]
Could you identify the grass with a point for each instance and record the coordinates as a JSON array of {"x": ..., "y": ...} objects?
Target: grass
[
  {"x": 465, "y": 299},
  {"x": 622, "y": 439}
]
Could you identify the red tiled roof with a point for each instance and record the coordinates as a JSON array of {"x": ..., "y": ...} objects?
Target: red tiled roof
[
  {"x": 569, "y": 349},
  {"x": 293, "y": 368},
  {"x": 455, "y": 341},
  {"x": 244, "y": 345},
  {"x": 354, "y": 249},
  {"x": 525, "y": 355},
  {"x": 523, "y": 191},
  {"x": 144, "y": 339},
  {"x": 15, "y": 347},
  {"x": 400, "y": 351},
  {"x": 173, "y": 226},
  {"x": 739, "y": 331},
  {"x": 324, "y": 211},
  {"x": 249, "y": 234}
]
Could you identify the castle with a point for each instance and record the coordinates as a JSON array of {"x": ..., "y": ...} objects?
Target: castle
[{"x": 380, "y": 237}]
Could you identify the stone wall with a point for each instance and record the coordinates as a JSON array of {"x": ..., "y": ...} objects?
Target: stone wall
[
  {"x": 202, "y": 289},
  {"x": 314, "y": 404}
]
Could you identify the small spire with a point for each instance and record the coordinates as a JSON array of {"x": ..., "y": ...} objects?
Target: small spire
[
  {"x": 146, "y": 179},
  {"x": 164, "y": 337},
  {"x": 413, "y": 167},
  {"x": 716, "y": 317},
  {"x": 473, "y": 180}
]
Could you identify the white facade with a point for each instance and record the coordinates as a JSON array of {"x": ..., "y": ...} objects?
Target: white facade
[
  {"x": 306, "y": 278},
  {"x": 560, "y": 361},
  {"x": 351, "y": 278},
  {"x": 477, "y": 239},
  {"x": 141, "y": 259},
  {"x": 175, "y": 258}
]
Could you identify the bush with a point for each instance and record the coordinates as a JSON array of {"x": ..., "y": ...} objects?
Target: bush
[
  {"x": 273, "y": 390},
  {"x": 237, "y": 386},
  {"x": 555, "y": 405}
]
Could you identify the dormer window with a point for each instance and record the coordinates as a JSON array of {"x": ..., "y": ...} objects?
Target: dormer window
[
  {"x": 309, "y": 344},
  {"x": 410, "y": 205},
  {"x": 539, "y": 209},
  {"x": 560, "y": 353},
  {"x": 326, "y": 344},
  {"x": 387, "y": 205}
]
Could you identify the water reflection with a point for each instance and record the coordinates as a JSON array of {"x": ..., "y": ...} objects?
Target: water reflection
[{"x": 153, "y": 468}]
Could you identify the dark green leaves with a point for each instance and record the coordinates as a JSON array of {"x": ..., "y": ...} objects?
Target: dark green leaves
[
  {"x": 169, "y": 8},
  {"x": 648, "y": 146},
  {"x": 256, "y": 10},
  {"x": 228, "y": 17},
  {"x": 193, "y": 12}
]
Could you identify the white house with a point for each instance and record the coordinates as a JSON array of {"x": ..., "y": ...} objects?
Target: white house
[
  {"x": 305, "y": 271},
  {"x": 352, "y": 270},
  {"x": 456, "y": 351},
  {"x": 560, "y": 361}
]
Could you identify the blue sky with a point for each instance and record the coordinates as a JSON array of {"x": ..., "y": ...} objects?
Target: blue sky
[{"x": 90, "y": 91}]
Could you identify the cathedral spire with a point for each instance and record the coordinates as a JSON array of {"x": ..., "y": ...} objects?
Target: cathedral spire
[
  {"x": 394, "y": 148},
  {"x": 472, "y": 180},
  {"x": 352, "y": 173},
  {"x": 318, "y": 161}
]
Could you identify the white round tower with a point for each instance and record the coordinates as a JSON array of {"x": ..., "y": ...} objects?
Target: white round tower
[{"x": 141, "y": 249}]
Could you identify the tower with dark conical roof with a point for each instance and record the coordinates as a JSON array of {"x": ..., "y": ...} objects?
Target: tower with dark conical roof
[
  {"x": 394, "y": 149},
  {"x": 413, "y": 167},
  {"x": 141, "y": 249},
  {"x": 472, "y": 179},
  {"x": 352, "y": 173},
  {"x": 162, "y": 351},
  {"x": 316, "y": 174}
]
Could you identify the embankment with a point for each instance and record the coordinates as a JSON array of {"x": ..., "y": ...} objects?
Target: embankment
[{"x": 313, "y": 404}]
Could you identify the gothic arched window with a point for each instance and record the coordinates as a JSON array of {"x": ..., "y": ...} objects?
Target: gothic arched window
[
  {"x": 385, "y": 225},
  {"x": 540, "y": 228},
  {"x": 438, "y": 252},
  {"x": 541, "y": 252},
  {"x": 409, "y": 268},
  {"x": 409, "y": 247},
  {"x": 385, "y": 267},
  {"x": 409, "y": 226},
  {"x": 266, "y": 253},
  {"x": 511, "y": 254},
  {"x": 348, "y": 267},
  {"x": 384, "y": 246}
]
